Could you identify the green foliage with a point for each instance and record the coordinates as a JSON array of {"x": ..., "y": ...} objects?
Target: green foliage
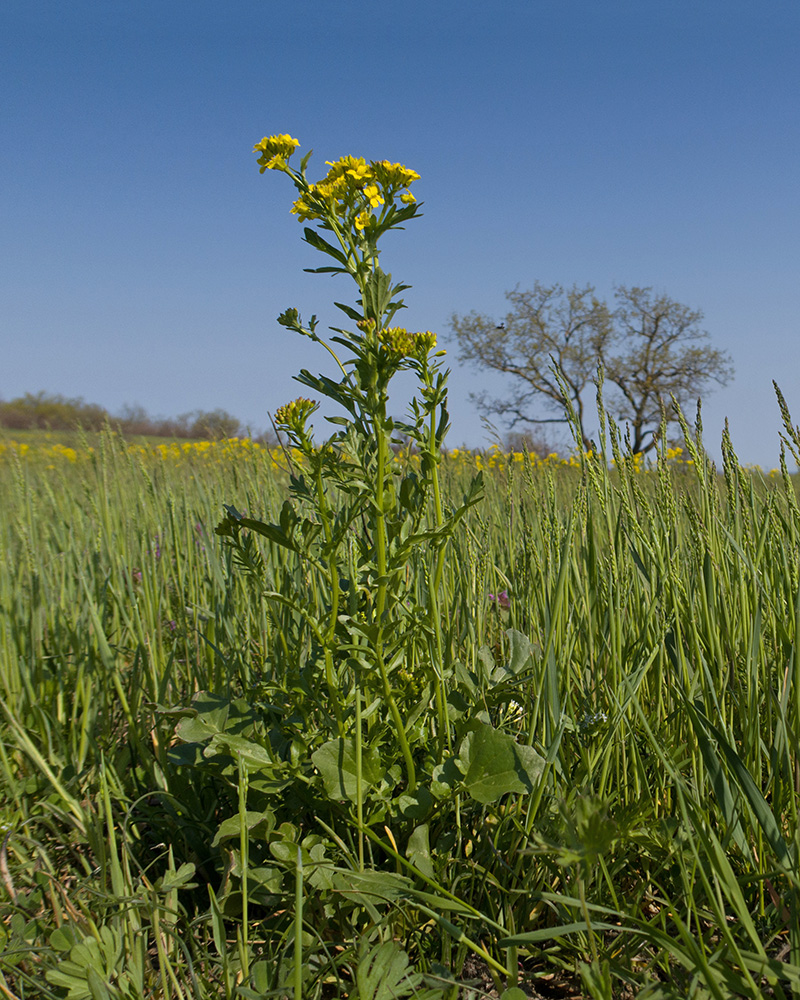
[
  {"x": 383, "y": 973},
  {"x": 651, "y": 626},
  {"x": 53, "y": 412}
]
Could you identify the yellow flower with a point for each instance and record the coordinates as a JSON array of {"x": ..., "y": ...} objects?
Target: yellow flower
[
  {"x": 304, "y": 209},
  {"x": 408, "y": 198},
  {"x": 359, "y": 172},
  {"x": 275, "y": 151},
  {"x": 394, "y": 175},
  {"x": 372, "y": 192},
  {"x": 362, "y": 220},
  {"x": 354, "y": 167}
]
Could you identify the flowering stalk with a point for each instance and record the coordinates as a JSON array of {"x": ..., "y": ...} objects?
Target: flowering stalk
[{"x": 378, "y": 515}]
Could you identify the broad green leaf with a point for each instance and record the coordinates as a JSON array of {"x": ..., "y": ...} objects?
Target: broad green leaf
[
  {"x": 486, "y": 661},
  {"x": 457, "y": 706},
  {"x": 98, "y": 988},
  {"x": 215, "y": 714},
  {"x": 416, "y": 805},
  {"x": 62, "y": 939},
  {"x": 179, "y": 879},
  {"x": 493, "y": 764},
  {"x": 445, "y": 778},
  {"x": 253, "y": 822},
  {"x": 255, "y": 755},
  {"x": 336, "y": 762},
  {"x": 513, "y": 993}
]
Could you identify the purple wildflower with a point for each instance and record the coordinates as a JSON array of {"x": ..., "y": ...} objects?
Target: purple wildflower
[{"x": 502, "y": 600}]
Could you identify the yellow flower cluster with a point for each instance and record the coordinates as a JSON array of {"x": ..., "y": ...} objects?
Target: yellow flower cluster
[
  {"x": 394, "y": 176},
  {"x": 56, "y": 453},
  {"x": 351, "y": 185},
  {"x": 275, "y": 151},
  {"x": 226, "y": 450},
  {"x": 496, "y": 458},
  {"x": 53, "y": 452}
]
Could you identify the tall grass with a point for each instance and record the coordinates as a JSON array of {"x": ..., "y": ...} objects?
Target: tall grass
[{"x": 646, "y": 650}]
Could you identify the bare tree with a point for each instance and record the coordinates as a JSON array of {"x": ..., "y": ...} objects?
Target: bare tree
[
  {"x": 650, "y": 347},
  {"x": 664, "y": 353},
  {"x": 547, "y": 325}
]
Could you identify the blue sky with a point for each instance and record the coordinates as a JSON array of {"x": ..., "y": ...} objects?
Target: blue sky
[{"x": 634, "y": 142}]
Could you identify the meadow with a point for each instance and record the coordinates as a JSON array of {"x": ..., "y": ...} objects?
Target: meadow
[
  {"x": 364, "y": 718},
  {"x": 610, "y": 809}
]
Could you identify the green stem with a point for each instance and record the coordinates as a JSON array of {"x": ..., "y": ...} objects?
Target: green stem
[
  {"x": 359, "y": 779},
  {"x": 333, "y": 569},
  {"x": 380, "y": 546},
  {"x": 435, "y": 584},
  {"x": 350, "y": 251},
  {"x": 298, "y": 926},
  {"x": 335, "y": 357},
  {"x": 244, "y": 845},
  {"x": 586, "y": 917}
]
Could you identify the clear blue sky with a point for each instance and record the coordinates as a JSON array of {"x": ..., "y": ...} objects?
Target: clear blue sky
[{"x": 636, "y": 142}]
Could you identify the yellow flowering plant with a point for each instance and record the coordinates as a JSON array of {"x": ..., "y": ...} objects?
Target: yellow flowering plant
[
  {"x": 371, "y": 727},
  {"x": 368, "y": 527},
  {"x": 354, "y": 205}
]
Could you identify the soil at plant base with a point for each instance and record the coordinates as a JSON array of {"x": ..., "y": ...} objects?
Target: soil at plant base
[{"x": 477, "y": 983}]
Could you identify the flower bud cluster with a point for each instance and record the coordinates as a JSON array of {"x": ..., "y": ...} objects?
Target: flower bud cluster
[
  {"x": 293, "y": 416},
  {"x": 400, "y": 342}
]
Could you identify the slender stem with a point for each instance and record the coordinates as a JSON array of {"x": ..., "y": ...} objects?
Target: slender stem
[
  {"x": 585, "y": 911},
  {"x": 380, "y": 526},
  {"x": 335, "y": 357},
  {"x": 435, "y": 583},
  {"x": 303, "y": 186},
  {"x": 333, "y": 569},
  {"x": 380, "y": 604},
  {"x": 298, "y": 926},
  {"x": 359, "y": 778},
  {"x": 244, "y": 849}
]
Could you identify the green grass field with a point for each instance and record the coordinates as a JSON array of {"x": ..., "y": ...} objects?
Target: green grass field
[{"x": 607, "y": 805}]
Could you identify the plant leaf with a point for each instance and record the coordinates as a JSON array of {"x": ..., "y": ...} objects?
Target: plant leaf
[
  {"x": 493, "y": 764},
  {"x": 336, "y": 762}
]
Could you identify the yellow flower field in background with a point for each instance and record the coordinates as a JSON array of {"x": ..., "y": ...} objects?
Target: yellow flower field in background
[{"x": 232, "y": 449}]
